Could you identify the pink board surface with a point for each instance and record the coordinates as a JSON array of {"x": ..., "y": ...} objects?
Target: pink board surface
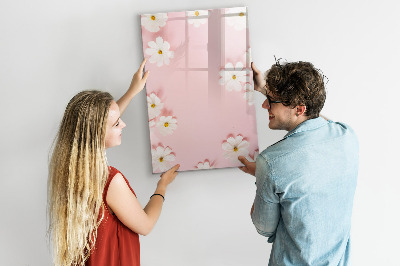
[{"x": 200, "y": 90}]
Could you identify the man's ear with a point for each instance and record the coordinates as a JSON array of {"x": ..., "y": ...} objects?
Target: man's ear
[{"x": 300, "y": 110}]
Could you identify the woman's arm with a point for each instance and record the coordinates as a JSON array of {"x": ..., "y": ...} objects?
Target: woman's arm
[
  {"x": 125, "y": 205},
  {"x": 137, "y": 84}
]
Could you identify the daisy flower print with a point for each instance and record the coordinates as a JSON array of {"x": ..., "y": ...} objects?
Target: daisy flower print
[
  {"x": 193, "y": 17},
  {"x": 153, "y": 22},
  {"x": 204, "y": 165},
  {"x": 162, "y": 158},
  {"x": 166, "y": 125},
  {"x": 154, "y": 105},
  {"x": 235, "y": 147},
  {"x": 159, "y": 52},
  {"x": 232, "y": 78},
  {"x": 238, "y": 22}
]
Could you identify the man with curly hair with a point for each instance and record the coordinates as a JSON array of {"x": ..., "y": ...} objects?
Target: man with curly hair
[{"x": 306, "y": 181}]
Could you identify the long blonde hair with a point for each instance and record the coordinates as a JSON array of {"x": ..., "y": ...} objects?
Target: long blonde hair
[{"x": 78, "y": 171}]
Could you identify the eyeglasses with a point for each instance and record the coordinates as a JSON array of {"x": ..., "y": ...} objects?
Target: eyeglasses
[
  {"x": 270, "y": 101},
  {"x": 264, "y": 91}
]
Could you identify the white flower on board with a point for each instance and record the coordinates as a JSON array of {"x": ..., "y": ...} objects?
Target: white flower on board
[
  {"x": 232, "y": 78},
  {"x": 154, "y": 105},
  {"x": 153, "y": 22},
  {"x": 159, "y": 52},
  {"x": 204, "y": 165},
  {"x": 249, "y": 93},
  {"x": 196, "y": 18},
  {"x": 166, "y": 125},
  {"x": 235, "y": 147},
  {"x": 254, "y": 158},
  {"x": 239, "y": 20},
  {"x": 161, "y": 158}
]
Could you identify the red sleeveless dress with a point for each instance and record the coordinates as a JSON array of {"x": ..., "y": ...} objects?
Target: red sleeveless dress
[{"x": 116, "y": 244}]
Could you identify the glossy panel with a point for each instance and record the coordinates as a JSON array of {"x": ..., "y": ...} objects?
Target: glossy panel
[{"x": 200, "y": 92}]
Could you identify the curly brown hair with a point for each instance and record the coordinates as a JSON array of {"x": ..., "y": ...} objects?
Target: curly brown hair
[{"x": 298, "y": 83}]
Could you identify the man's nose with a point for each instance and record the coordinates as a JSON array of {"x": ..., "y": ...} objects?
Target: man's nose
[{"x": 265, "y": 104}]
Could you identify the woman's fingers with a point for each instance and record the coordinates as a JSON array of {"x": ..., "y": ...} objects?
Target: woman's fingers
[
  {"x": 142, "y": 64},
  {"x": 145, "y": 76},
  {"x": 174, "y": 168},
  {"x": 169, "y": 175},
  {"x": 140, "y": 70}
]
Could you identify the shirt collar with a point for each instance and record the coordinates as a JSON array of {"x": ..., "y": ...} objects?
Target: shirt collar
[{"x": 307, "y": 125}]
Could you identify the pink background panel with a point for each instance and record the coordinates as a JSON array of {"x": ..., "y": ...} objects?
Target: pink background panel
[
  {"x": 197, "y": 48},
  {"x": 206, "y": 112}
]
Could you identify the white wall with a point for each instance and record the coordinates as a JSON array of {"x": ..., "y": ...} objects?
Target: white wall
[{"x": 49, "y": 50}]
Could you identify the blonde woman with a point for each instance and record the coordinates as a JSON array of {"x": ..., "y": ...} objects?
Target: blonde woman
[{"x": 95, "y": 217}]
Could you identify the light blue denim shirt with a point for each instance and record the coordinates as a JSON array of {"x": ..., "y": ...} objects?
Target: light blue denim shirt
[{"x": 305, "y": 189}]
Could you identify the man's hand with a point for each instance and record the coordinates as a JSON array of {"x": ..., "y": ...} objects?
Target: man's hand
[
  {"x": 249, "y": 167},
  {"x": 259, "y": 82}
]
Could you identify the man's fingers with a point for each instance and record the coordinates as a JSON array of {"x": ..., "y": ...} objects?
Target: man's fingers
[
  {"x": 244, "y": 169},
  {"x": 243, "y": 160},
  {"x": 255, "y": 69}
]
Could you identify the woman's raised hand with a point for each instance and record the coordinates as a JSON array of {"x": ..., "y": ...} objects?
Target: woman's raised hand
[
  {"x": 137, "y": 85},
  {"x": 138, "y": 79}
]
